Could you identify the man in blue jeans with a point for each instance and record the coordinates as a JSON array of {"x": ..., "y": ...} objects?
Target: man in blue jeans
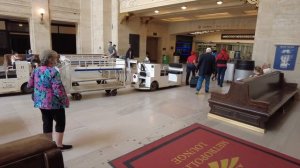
[{"x": 206, "y": 66}]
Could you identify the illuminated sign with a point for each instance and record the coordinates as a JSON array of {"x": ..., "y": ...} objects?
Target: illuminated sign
[{"x": 238, "y": 36}]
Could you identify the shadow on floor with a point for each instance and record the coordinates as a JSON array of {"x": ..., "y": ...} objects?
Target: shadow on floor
[
  {"x": 11, "y": 126},
  {"x": 94, "y": 139},
  {"x": 282, "y": 115}
]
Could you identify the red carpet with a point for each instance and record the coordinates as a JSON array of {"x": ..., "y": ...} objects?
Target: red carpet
[{"x": 199, "y": 146}]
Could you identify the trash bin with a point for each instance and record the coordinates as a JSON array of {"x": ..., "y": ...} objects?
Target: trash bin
[
  {"x": 237, "y": 55},
  {"x": 229, "y": 73},
  {"x": 243, "y": 69},
  {"x": 165, "y": 59}
]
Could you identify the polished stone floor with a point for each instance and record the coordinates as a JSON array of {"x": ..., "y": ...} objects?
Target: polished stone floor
[{"x": 102, "y": 128}]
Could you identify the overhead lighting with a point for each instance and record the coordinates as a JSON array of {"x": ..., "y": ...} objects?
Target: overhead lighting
[
  {"x": 176, "y": 19},
  {"x": 219, "y": 2},
  {"x": 42, "y": 12},
  {"x": 183, "y": 7},
  {"x": 156, "y": 11},
  {"x": 20, "y": 25},
  {"x": 202, "y": 32}
]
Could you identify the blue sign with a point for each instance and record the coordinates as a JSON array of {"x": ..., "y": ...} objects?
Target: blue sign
[{"x": 285, "y": 57}]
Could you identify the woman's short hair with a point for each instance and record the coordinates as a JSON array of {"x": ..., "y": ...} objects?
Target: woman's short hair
[
  {"x": 259, "y": 70},
  {"x": 46, "y": 56}
]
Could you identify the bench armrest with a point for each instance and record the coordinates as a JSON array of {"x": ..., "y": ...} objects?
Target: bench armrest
[{"x": 34, "y": 150}]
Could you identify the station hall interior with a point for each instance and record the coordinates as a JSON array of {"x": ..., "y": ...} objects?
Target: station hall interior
[{"x": 102, "y": 128}]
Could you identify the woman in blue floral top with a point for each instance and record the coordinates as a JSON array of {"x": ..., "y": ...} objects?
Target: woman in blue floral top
[{"x": 50, "y": 96}]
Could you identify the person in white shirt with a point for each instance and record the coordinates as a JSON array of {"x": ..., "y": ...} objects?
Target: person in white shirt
[{"x": 13, "y": 59}]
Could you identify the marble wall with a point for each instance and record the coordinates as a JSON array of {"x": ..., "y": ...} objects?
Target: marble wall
[
  {"x": 115, "y": 9},
  {"x": 66, "y": 10},
  {"x": 84, "y": 30},
  {"x": 93, "y": 20},
  {"x": 135, "y": 26},
  {"x": 15, "y": 8},
  {"x": 132, "y": 27},
  {"x": 278, "y": 22}
]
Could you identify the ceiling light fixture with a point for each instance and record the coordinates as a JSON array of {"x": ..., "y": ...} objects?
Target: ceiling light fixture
[
  {"x": 203, "y": 32},
  {"x": 219, "y": 2},
  {"x": 183, "y": 7},
  {"x": 156, "y": 11},
  {"x": 42, "y": 12}
]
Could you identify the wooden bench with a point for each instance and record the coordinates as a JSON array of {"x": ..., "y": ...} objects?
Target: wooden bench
[
  {"x": 34, "y": 151},
  {"x": 253, "y": 101}
]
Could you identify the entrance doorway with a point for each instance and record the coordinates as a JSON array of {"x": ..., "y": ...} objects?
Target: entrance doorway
[
  {"x": 134, "y": 40},
  {"x": 152, "y": 49}
]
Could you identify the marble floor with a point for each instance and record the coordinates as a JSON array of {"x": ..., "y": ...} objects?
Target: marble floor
[{"x": 102, "y": 128}]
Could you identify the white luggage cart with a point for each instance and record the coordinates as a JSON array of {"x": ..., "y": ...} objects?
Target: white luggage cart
[
  {"x": 154, "y": 76},
  {"x": 84, "y": 73}
]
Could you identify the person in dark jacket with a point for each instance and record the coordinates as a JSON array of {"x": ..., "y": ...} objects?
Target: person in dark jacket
[
  {"x": 129, "y": 55},
  {"x": 206, "y": 66},
  {"x": 221, "y": 62}
]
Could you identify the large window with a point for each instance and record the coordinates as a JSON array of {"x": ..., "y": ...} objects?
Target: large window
[
  {"x": 63, "y": 38},
  {"x": 14, "y": 36}
]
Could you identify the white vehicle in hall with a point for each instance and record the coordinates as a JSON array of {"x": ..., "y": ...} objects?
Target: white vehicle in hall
[
  {"x": 153, "y": 76},
  {"x": 15, "y": 80}
]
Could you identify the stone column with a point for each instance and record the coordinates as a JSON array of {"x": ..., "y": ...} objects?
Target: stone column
[
  {"x": 40, "y": 35},
  {"x": 263, "y": 32},
  {"x": 97, "y": 26},
  {"x": 143, "y": 41},
  {"x": 84, "y": 36},
  {"x": 107, "y": 24},
  {"x": 278, "y": 22},
  {"x": 115, "y": 22},
  {"x": 101, "y": 25}
]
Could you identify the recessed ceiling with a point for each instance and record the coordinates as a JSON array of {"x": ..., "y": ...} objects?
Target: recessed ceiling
[{"x": 198, "y": 10}]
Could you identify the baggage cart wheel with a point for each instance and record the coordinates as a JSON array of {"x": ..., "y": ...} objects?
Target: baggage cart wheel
[
  {"x": 114, "y": 92},
  {"x": 101, "y": 81},
  {"x": 107, "y": 92},
  {"x": 25, "y": 89},
  {"x": 75, "y": 84},
  {"x": 76, "y": 96},
  {"x": 154, "y": 86}
]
